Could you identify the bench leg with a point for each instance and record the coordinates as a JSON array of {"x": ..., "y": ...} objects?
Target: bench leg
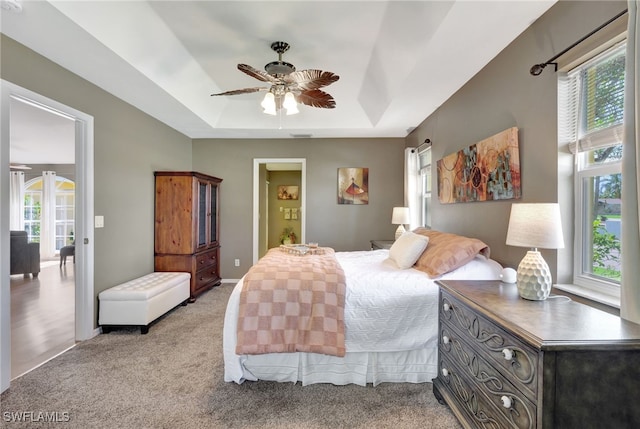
[{"x": 144, "y": 329}]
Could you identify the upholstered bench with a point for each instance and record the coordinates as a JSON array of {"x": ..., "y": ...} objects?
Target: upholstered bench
[{"x": 140, "y": 301}]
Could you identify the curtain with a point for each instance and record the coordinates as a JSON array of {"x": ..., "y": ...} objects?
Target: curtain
[
  {"x": 630, "y": 289},
  {"x": 16, "y": 201},
  {"x": 412, "y": 186},
  {"x": 48, "y": 215}
]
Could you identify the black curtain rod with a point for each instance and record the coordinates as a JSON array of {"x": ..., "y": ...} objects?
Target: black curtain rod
[
  {"x": 538, "y": 68},
  {"x": 427, "y": 142}
]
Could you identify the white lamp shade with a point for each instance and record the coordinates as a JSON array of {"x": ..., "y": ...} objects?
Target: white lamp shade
[
  {"x": 269, "y": 103},
  {"x": 400, "y": 216},
  {"x": 535, "y": 225},
  {"x": 290, "y": 104}
]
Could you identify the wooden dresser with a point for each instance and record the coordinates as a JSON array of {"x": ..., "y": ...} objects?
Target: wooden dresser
[
  {"x": 505, "y": 362},
  {"x": 187, "y": 227}
]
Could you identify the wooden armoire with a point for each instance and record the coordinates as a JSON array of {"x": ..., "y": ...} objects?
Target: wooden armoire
[{"x": 187, "y": 227}]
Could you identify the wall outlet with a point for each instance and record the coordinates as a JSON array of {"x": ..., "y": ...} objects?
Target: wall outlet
[{"x": 237, "y": 262}]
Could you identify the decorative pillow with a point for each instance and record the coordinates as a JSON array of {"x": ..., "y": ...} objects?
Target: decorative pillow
[
  {"x": 406, "y": 250},
  {"x": 446, "y": 251}
]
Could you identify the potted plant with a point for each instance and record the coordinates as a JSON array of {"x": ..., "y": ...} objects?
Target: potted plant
[{"x": 288, "y": 236}]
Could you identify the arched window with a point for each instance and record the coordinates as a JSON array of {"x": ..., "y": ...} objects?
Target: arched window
[{"x": 64, "y": 211}]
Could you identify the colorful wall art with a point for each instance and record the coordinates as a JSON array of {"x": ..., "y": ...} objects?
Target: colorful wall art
[
  {"x": 485, "y": 171},
  {"x": 353, "y": 185},
  {"x": 287, "y": 192}
]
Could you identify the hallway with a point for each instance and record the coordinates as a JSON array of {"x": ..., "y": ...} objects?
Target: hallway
[{"x": 42, "y": 315}]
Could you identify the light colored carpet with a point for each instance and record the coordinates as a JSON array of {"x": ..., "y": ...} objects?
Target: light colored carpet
[{"x": 173, "y": 378}]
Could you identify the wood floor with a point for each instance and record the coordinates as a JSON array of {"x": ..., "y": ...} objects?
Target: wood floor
[{"x": 42, "y": 316}]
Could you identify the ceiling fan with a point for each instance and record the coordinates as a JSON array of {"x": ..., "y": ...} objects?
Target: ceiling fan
[
  {"x": 288, "y": 86},
  {"x": 13, "y": 166}
]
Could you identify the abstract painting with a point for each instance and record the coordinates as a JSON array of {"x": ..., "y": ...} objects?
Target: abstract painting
[
  {"x": 353, "y": 185},
  {"x": 485, "y": 171}
]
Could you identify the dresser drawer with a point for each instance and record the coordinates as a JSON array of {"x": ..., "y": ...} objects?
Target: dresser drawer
[
  {"x": 518, "y": 410},
  {"x": 205, "y": 277},
  {"x": 206, "y": 259},
  {"x": 509, "y": 355},
  {"x": 469, "y": 399}
]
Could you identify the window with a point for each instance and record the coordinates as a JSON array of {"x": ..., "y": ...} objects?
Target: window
[
  {"x": 65, "y": 215},
  {"x": 590, "y": 120},
  {"x": 64, "y": 211},
  {"x": 33, "y": 210},
  {"x": 424, "y": 165}
]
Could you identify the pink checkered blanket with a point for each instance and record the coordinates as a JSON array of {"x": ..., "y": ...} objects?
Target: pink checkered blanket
[{"x": 292, "y": 303}]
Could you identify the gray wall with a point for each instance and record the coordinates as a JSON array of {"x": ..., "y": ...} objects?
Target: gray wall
[
  {"x": 128, "y": 147},
  {"x": 343, "y": 227},
  {"x": 502, "y": 95}
]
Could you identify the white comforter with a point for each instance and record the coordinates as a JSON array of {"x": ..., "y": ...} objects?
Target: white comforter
[{"x": 386, "y": 309}]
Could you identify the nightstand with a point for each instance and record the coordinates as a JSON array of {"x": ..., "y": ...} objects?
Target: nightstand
[
  {"x": 504, "y": 361},
  {"x": 381, "y": 244}
]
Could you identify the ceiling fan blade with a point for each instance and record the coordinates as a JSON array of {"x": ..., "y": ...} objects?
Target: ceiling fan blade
[
  {"x": 19, "y": 167},
  {"x": 316, "y": 98},
  {"x": 311, "y": 79},
  {"x": 242, "y": 91},
  {"x": 258, "y": 74}
]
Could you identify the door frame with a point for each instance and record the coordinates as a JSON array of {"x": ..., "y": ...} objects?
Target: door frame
[
  {"x": 256, "y": 196},
  {"x": 84, "y": 256}
]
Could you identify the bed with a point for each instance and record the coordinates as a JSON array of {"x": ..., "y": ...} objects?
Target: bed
[{"x": 390, "y": 315}]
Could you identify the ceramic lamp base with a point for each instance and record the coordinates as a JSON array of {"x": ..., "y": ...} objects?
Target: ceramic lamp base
[
  {"x": 534, "y": 277},
  {"x": 400, "y": 231}
]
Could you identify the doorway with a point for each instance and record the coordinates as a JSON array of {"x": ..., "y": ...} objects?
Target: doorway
[
  {"x": 262, "y": 207},
  {"x": 82, "y": 146}
]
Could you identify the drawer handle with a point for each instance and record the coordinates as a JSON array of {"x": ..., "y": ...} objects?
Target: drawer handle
[
  {"x": 446, "y": 307},
  {"x": 506, "y": 401},
  {"x": 445, "y": 372},
  {"x": 508, "y": 354},
  {"x": 445, "y": 340}
]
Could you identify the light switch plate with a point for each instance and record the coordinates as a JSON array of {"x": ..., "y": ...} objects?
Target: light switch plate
[{"x": 99, "y": 223}]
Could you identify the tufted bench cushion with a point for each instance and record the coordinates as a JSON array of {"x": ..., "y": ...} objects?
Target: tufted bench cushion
[{"x": 140, "y": 301}]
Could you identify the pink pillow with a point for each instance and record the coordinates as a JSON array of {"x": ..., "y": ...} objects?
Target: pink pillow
[{"x": 446, "y": 252}]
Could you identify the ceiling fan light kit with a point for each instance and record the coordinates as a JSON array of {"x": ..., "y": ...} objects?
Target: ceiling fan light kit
[
  {"x": 269, "y": 103},
  {"x": 288, "y": 86},
  {"x": 290, "y": 104}
]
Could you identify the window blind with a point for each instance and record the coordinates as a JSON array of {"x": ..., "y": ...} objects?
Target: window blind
[{"x": 590, "y": 102}]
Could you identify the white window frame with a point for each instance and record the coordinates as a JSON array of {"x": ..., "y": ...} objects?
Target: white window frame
[
  {"x": 33, "y": 196},
  {"x": 65, "y": 227},
  {"x": 59, "y": 192},
  {"x": 592, "y": 287},
  {"x": 594, "y": 284}
]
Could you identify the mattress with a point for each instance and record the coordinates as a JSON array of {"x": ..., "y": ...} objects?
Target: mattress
[{"x": 391, "y": 327}]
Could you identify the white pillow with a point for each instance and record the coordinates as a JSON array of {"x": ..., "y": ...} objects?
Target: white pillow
[{"x": 406, "y": 250}]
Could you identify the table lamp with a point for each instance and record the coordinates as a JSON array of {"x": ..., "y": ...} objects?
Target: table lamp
[
  {"x": 400, "y": 217},
  {"x": 535, "y": 225}
]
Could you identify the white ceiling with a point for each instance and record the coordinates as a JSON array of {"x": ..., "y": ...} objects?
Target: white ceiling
[{"x": 398, "y": 61}]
